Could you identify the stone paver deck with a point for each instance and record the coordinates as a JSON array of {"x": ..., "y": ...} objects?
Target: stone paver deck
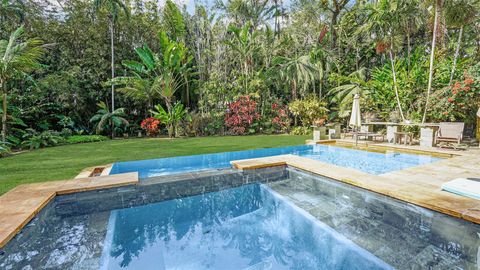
[
  {"x": 420, "y": 185},
  {"x": 21, "y": 204}
]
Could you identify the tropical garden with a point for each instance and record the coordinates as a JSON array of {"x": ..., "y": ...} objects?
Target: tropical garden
[{"x": 78, "y": 71}]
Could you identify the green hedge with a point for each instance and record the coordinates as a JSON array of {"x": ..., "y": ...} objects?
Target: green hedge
[{"x": 85, "y": 139}]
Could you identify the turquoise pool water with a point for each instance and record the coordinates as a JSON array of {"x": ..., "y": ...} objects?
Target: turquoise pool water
[
  {"x": 249, "y": 227},
  {"x": 370, "y": 162}
]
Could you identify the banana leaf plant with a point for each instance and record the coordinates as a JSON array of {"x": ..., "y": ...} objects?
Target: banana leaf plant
[{"x": 172, "y": 118}]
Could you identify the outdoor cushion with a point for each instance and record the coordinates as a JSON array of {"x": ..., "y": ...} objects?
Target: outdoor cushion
[{"x": 468, "y": 187}]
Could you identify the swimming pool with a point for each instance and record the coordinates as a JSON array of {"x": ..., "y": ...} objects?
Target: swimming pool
[
  {"x": 248, "y": 227},
  {"x": 274, "y": 218},
  {"x": 370, "y": 162}
]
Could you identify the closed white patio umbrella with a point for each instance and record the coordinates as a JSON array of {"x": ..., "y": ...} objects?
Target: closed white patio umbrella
[{"x": 355, "y": 119}]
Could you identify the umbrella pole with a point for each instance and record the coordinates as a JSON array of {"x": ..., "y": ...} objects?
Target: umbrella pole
[{"x": 356, "y": 137}]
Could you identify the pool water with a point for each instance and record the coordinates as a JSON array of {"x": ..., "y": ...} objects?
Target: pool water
[
  {"x": 274, "y": 218},
  {"x": 370, "y": 162},
  {"x": 248, "y": 227},
  {"x": 403, "y": 235}
]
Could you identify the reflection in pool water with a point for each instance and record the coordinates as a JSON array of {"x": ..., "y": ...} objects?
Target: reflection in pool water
[{"x": 249, "y": 227}]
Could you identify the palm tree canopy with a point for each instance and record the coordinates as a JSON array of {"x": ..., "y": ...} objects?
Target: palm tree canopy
[
  {"x": 17, "y": 56},
  {"x": 8, "y": 7},
  {"x": 299, "y": 69},
  {"x": 352, "y": 84},
  {"x": 460, "y": 12},
  {"x": 104, "y": 117},
  {"x": 114, "y": 7},
  {"x": 156, "y": 73}
]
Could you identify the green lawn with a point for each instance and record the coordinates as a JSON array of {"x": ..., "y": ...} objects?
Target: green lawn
[{"x": 64, "y": 162}]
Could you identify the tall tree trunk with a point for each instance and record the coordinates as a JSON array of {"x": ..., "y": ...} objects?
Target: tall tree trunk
[
  {"x": 4, "y": 115},
  {"x": 457, "y": 51},
  {"x": 394, "y": 74},
  {"x": 409, "y": 50},
  {"x": 320, "y": 89},
  {"x": 432, "y": 57},
  {"x": 112, "y": 132},
  {"x": 294, "y": 89},
  {"x": 277, "y": 20},
  {"x": 333, "y": 22},
  {"x": 113, "y": 62},
  {"x": 187, "y": 91},
  {"x": 245, "y": 65},
  {"x": 357, "y": 58}
]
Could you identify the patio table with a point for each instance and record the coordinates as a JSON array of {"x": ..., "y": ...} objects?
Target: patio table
[{"x": 427, "y": 131}]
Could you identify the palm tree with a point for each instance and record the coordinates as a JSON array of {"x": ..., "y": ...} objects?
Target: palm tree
[
  {"x": 458, "y": 14},
  {"x": 354, "y": 84},
  {"x": 173, "y": 21},
  {"x": 135, "y": 87},
  {"x": 104, "y": 119},
  {"x": 114, "y": 7},
  {"x": 158, "y": 74},
  {"x": 383, "y": 20},
  {"x": 243, "y": 44},
  {"x": 411, "y": 18},
  {"x": 8, "y": 7},
  {"x": 438, "y": 6},
  {"x": 253, "y": 12},
  {"x": 296, "y": 70},
  {"x": 16, "y": 58}
]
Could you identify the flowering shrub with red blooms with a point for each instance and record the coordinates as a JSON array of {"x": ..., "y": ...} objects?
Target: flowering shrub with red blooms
[
  {"x": 241, "y": 116},
  {"x": 151, "y": 126},
  {"x": 459, "y": 101},
  {"x": 280, "y": 119}
]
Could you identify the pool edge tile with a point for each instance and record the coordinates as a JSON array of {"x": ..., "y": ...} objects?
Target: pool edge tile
[
  {"x": 21, "y": 204},
  {"x": 421, "y": 188}
]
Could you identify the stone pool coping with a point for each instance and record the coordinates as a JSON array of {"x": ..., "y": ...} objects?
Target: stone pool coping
[
  {"x": 419, "y": 185},
  {"x": 21, "y": 204}
]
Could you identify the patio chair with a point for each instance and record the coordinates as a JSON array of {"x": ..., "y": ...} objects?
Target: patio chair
[
  {"x": 450, "y": 132},
  {"x": 363, "y": 132}
]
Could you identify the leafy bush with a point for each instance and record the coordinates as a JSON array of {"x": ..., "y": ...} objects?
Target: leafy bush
[
  {"x": 309, "y": 109},
  {"x": 204, "y": 124},
  {"x": 301, "y": 131},
  {"x": 66, "y": 132},
  {"x": 242, "y": 116},
  {"x": 151, "y": 126},
  {"x": 280, "y": 119},
  {"x": 4, "y": 148},
  {"x": 34, "y": 139},
  {"x": 85, "y": 139},
  {"x": 458, "y": 101},
  {"x": 172, "y": 118}
]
